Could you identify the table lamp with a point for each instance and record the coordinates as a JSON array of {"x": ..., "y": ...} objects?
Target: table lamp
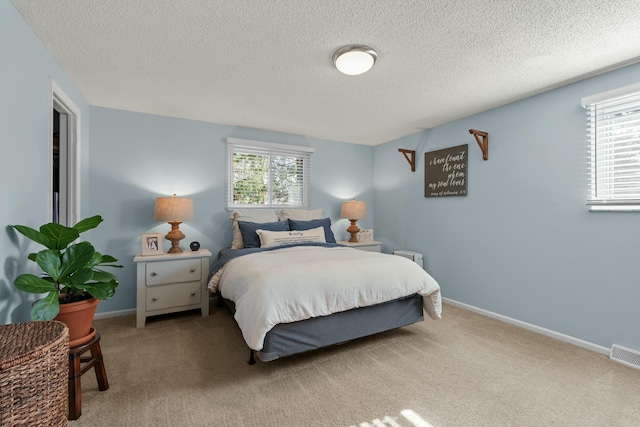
[
  {"x": 174, "y": 210},
  {"x": 353, "y": 211}
]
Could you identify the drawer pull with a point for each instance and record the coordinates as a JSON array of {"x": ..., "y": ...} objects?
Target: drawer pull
[
  {"x": 154, "y": 299},
  {"x": 193, "y": 294},
  {"x": 193, "y": 270},
  {"x": 154, "y": 274}
]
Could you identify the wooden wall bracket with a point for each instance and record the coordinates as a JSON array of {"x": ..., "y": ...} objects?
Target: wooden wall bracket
[
  {"x": 410, "y": 155},
  {"x": 484, "y": 144}
]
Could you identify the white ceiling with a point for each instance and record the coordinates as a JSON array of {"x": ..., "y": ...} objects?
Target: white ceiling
[{"x": 267, "y": 64}]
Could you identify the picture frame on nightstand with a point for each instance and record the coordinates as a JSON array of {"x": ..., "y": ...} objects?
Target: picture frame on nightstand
[
  {"x": 365, "y": 235},
  {"x": 151, "y": 244}
]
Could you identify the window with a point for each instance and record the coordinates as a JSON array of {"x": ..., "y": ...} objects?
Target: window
[
  {"x": 613, "y": 128},
  {"x": 262, "y": 174}
]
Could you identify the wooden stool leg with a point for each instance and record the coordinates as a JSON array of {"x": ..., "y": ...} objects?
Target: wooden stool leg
[
  {"x": 75, "y": 392},
  {"x": 76, "y": 370},
  {"x": 101, "y": 373}
]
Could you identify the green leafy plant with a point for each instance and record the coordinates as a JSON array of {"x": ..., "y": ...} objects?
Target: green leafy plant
[{"x": 71, "y": 272}]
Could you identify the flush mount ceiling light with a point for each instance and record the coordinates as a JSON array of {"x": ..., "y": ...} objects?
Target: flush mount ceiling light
[{"x": 354, "y": 59}]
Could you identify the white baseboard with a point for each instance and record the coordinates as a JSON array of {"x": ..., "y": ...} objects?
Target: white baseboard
[
  {"x": 543, "y": 331},
  {"x": 118, "y": 313}
]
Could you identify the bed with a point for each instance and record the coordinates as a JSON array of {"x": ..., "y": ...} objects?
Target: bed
[{"x": 298, "y": 295}]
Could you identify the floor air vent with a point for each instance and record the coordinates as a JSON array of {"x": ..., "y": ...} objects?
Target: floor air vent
[{"x": 625, "y": 356}]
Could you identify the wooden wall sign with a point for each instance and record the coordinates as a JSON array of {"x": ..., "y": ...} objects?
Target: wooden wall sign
[{"x": 445, "y": 172}]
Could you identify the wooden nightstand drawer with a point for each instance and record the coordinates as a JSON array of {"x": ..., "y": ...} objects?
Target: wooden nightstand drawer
[
  {"x": 166, "y": 296},
  {"x": 163, "y": 272}
]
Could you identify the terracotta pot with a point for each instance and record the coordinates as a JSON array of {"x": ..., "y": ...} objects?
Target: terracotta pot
[{"x": 78, "y": 316}]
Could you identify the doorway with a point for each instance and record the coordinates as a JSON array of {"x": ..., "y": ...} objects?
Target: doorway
[{"x": 64, "y": 160}]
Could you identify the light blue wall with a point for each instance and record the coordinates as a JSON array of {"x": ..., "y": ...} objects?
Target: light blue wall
[
  {"x": 522, "y": 243},
  {"x": 138, "y": 157},
  {"x": 26, "y": 73}
]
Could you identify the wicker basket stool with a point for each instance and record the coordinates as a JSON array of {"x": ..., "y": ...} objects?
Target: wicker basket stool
[{"x": 34, "y": 369}]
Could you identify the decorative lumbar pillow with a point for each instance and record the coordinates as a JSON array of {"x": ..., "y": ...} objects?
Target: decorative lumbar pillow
[
  {"x": 248, "y": 230},
  {"x": 269, "y": 239},
  {"x": 251, "y": 215},
  {"x": 299, "y": 214},
  {"x": 325, "y": 223}
]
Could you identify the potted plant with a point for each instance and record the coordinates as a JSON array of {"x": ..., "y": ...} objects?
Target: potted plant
[{"x": 72, "y": 279}]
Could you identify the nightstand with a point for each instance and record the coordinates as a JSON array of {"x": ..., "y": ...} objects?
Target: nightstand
[
  {"x": 371, "y": 246},
  {"x": 169, "y": 283}
]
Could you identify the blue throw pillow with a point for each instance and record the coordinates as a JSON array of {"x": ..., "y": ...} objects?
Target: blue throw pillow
[
  {"x": 250, "y": 238},
  {"x": 314, "y": 223}
]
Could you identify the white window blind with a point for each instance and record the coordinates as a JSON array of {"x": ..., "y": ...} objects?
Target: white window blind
[
  {"x": 613, "y": 130},
  {"x": 268, "y": 175}
]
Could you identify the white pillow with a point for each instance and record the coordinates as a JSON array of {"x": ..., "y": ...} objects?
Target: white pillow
[
  {"x": 299, "y": 214},
  {"x": 251, "y": 215},
  {"x": 270, "y": 239}
]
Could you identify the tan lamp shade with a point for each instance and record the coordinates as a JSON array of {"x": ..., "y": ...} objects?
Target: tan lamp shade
[
  {"x": 353, "y": 211},
  {"x": 174, "y": 210}
]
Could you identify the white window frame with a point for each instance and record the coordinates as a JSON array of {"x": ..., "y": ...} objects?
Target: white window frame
[
  {"x": 244, "y": 145},
  {"x": 613, "y": 134}
]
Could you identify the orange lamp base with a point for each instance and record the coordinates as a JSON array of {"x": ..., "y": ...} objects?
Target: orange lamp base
[
  {"x": 174, "y": 236},
  {"x": 353, "y": 230}
]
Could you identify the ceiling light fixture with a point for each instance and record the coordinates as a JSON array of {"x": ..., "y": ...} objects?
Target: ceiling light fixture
[{"x": 354, "y": 59}]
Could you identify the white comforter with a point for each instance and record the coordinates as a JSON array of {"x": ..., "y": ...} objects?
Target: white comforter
[{"x": 296, "y": 283}]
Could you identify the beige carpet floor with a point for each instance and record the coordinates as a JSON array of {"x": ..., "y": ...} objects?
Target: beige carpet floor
[{"x": 465, "y": 370}]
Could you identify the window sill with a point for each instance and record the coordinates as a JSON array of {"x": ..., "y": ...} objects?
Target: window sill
[{"x": 614, "y": 208}]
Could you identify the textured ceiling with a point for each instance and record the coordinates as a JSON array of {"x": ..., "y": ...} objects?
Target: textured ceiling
[{"x": 267, "y": 64}]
